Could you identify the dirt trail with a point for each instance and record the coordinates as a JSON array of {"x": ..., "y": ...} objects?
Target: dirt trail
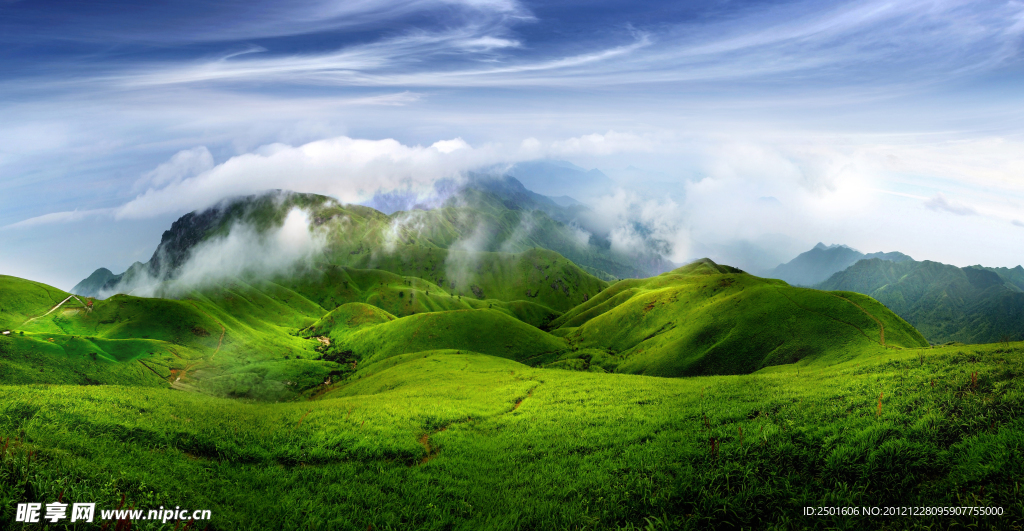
[
  {"x": 59, "y": 304},
  {"x": 520, "y": 401},
  {"x": 881, "y": 327},
  {"x": 176, "y": 383},
  {"x": 151, "y": 369},
  {"x": 432, "y": 452},
  {"x": 222, "y": 329}
]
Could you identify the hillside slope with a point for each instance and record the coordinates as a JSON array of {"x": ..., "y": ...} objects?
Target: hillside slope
[
  {"x": 286, "y": 338},
  {"x": 705, "y": 318},
  {"x": 369, "y": 336}
]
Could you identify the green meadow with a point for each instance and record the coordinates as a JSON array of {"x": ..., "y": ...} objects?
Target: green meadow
[{"x": 361, "y": 398}]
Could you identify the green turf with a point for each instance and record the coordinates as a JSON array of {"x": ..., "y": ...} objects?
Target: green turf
[{"x": 446, "y": 440}]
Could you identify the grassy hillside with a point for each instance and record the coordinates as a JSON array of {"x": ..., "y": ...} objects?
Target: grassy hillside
[
  {"x": 21, "y": 300},
  {"x": 946, "y": 303},
  {"x": 284, "y": 339},
  {"x": 483, "y": 331},
  {"x": 445, "y": 440},
  {"x": 536, "y": 276},
  {"x": 710, "y": 319}
]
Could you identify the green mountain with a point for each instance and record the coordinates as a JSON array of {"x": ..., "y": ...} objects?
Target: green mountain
[
  {"x": 91, "y": 286},
  {"x": 946, "y": 303},
  {"x": 495, "y": 216},
  {"x": 821, "y": 262},
  {"x": 561, "y": 179},
  {"x": 705, "y": 318},
  {"x": 281, "y": 336}
]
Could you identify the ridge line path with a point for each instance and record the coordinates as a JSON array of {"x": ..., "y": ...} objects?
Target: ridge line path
[
  {"x": 59, "y": 304},
  {"x": 806, "y": 309},
  {"x": 881, "y": 327}
]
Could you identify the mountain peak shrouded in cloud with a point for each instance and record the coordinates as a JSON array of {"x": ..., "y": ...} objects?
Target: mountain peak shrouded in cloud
[
  {"x": 256, "y": 236},
  {"x": 282, "y": 233}
]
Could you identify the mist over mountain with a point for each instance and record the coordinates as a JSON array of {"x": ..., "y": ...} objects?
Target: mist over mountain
[
  {"x": 516, "y": 184},
  {"x": 561, "y": 178},
  {"x": 945, "y": 303},
  {"x": 485, "y": 214},
  {"x": 821, "y": 262}
]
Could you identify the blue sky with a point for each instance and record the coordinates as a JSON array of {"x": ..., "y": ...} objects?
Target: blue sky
[{"x": 882, "y": 125}]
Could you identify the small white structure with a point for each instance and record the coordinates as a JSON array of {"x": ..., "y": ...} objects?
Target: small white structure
[{"x": 7, "y": 332}]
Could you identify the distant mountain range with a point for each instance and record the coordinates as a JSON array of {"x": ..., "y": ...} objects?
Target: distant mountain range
[
  {"x": 821, "y": 262},
  {"x": 945, "y": 303}
]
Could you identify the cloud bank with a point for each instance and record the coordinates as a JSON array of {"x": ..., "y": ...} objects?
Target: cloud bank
[
  {"x": 243, "y": 253},
  {"x": 348, "y": 169}
]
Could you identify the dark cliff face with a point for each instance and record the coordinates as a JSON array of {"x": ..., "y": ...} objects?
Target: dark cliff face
[{"x": 178, "y": 241}]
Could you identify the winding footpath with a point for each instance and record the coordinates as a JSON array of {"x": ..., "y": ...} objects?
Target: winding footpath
[{"x": 59, "y": 304}]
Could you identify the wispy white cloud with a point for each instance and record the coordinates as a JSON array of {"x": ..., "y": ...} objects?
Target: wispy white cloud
[
  {"x": 346, "y": 168},
  {"x": 260, "y": 19},
  {"x": 60, "y": 217},
  {"x": 940, "y": 203},
  {"x": 852, "y": 44},
  {"x": 184, "y": 164}
]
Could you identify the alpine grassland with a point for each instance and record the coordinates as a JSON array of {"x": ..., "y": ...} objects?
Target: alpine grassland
[
  {"x": 524, "y": 394},
  {"x": 457, "y": 440}
]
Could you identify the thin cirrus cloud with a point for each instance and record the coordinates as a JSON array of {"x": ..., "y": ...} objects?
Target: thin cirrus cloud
[
  {"x": 797, "y": 46},
  {"x": 854, "y": 44},
  {"x": 940, "y": 203},
  {"x": 192, "y": 21}
]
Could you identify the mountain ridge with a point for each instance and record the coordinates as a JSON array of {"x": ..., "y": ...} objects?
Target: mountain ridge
[
  {"x": 945, "y": 302},
  {"x": 499, "y": 209},
  {"x": 822, "y": 261}
]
